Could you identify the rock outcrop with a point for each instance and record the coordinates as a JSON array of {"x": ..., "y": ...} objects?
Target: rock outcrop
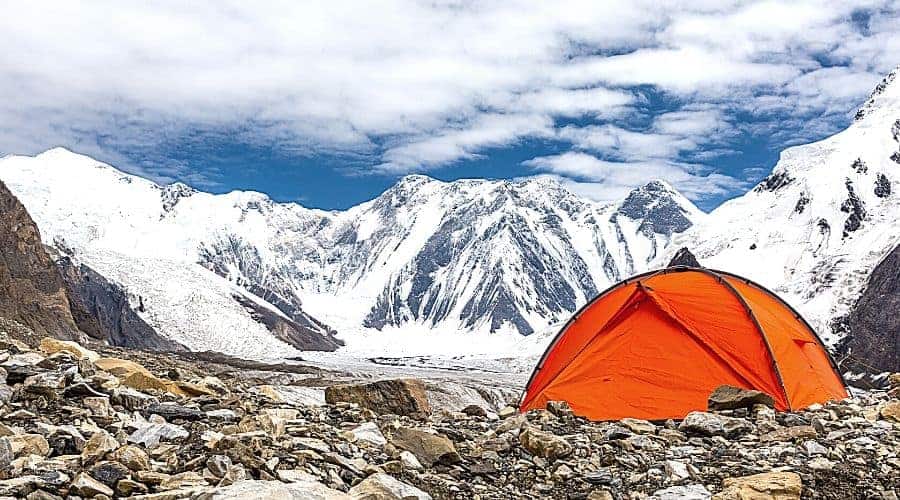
[
  {"x": 102, "y": 310},
  {"x": 31, "y": 291},
  {"x": 684, "y": 257},
  {"x": 872, "y": 343}
]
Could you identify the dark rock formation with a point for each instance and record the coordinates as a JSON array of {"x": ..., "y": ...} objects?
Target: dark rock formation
[
  {"x": 31, "y": 290},
  {"x": 101, "y": 309},
  {"x": 289, "y": 331},
  {"x": 684, "y": 257},
  {"x": 872, "y": 342}
]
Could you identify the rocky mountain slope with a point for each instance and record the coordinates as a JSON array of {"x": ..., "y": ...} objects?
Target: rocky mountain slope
[
  {"x": 469, "y": 255},
  {"x": 120, "y": 423},
  {"x": 872, "y": 340},
  {"x": 814, "y": 229},
  {"x": 103, "y": 311},
  {"x": 31, "y": 290}
]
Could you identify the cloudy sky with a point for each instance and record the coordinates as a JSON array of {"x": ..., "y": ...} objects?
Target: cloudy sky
[{"x": 328, "y": 103}]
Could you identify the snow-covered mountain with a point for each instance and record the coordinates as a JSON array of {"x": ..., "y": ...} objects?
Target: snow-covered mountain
[
  {"x": 815, "y": 228},
  {"x": 472, "y": 255}
]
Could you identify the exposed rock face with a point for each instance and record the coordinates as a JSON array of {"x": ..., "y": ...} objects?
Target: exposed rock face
[
  {"x": 102, "y": 310},
  {"x": 31, "y": 290},
  {"x": 684, "y": 257},
  {"x": 872, "y": 343},
  {"x": 289, "y": 331}
]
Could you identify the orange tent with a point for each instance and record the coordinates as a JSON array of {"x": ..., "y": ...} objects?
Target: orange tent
[{"x": 656, "y": 345}]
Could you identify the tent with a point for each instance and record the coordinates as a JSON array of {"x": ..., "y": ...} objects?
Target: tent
[{"x": 656, "y": 345}]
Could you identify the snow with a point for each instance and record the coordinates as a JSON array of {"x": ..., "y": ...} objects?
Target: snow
[{"x": 805, "y": 255}]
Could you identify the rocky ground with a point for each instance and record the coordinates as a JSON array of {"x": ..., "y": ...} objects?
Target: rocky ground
[{"x": 104, "y": 423}]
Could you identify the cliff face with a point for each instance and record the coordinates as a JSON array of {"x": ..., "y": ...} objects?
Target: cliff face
[
  {"x": 873, "y": 326},
  {"x": 31, "y": 289},
  {"x": 101, "y": 310}
]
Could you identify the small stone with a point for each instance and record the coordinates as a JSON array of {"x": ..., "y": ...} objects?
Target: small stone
[
  {"x": 128, "y": 487},
  {"x": 187, "y": 479},
  {"x": 891, "y": 411},
  {"x": 676, "y": 471},
  {"x": 475, "y": 411},
  {"x": 109, "y": 473},
  {"x": 507, "y": 411},
  {"x": 698, "y": 422},
  {"x": 560, "y": 408},
  {"x": 820, "y": 464},
  {"x": 171, "y": 411},
  {"x": 86, "y": 486},
  {"x": 638, "y": 426},
  {"x": 132, "y": 457},
  {"x": 563, "y": 473},
  {"x": 98, "y": 446},
  {"x": 45, "y": 384},
  {"x": 370, "y": 434},
  {"x": 151, "y": 434},
  {"x": 99, "y": 406},
  {"x": 27, "y": 444},
  {"x": 685, "y": 492},
  {"x": 814, "y": 448},
  {"x": 544, "y": 444},
  {"x": 790, "y": 433},
  {"x": 409, "y": 461},
  {"x": 132, "y": 399},
  {"x": 218, "y": 465},
  {"x": 266, "y": 490}
]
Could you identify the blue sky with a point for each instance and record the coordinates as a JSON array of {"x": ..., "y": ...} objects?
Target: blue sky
[{"x": 328, "y": 103}]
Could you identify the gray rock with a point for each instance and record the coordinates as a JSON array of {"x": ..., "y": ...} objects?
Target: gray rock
[{"x": 150, "y": 434}]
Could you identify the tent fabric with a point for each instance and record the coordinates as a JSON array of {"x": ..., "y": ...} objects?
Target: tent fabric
[{"x": 656, "y": 345}]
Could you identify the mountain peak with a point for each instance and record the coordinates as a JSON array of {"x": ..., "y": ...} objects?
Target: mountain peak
[
  {"x": 661, "y": 206},
  {"x": 887, "y": 90}
]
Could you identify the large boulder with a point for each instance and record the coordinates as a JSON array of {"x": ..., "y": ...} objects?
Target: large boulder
[
  {"x": 766, "y": 486},
  {"x": 397, "y": 396},
  {"x": 429, "y": 448},
  {"x": 728, "y": 397}
]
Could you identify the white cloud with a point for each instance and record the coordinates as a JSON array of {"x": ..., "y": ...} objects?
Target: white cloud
[
  {"x": 405, "y": 86},
  {"x": 604, "y": 180}
]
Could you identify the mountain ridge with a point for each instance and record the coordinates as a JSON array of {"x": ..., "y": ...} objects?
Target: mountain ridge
[{"x": 425, "y": 251}]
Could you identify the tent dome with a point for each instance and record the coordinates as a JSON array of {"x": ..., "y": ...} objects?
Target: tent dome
[{"x": 656, "y": 345}]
